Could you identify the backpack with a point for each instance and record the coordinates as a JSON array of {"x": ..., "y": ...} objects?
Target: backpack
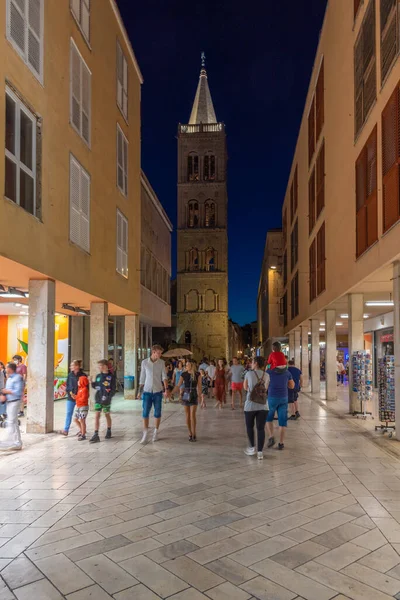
[{"x": 259, "y": 392}]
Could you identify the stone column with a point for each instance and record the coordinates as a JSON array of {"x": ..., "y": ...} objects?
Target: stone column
[
  {"x": 131, "y": 353},
  {"x": 315, "y": 357},
  {"x": 396, "y": 308},
  {"x": 330, "y": 355},
  {"x": 291, "y": 345},
  {"x": 40, "y": 413},
  {"x": 297, "y": 349},
  {"x": 356, "y": 341},
  {"x": 304, "y": 354},
  {"x": 98, "y": 337},
  {"x": 77, "y": 338}
]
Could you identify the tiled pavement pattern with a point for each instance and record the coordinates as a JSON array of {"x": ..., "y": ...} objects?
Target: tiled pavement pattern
[{"x": 319, "y": 520}]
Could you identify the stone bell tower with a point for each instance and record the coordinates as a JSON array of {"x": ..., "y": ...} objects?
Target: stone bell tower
[{"x": 202, "y": 269}]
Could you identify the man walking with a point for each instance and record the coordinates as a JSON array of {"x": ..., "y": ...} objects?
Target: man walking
[
  {"x": 23, "y": 371},
  {"x": 280, "y": 381},
  {"x": 12, "y": 394},
  {"x": 294, "y": 393},
  {"x": 153, "y": 381},
  {"x": 237, "y": 375}
]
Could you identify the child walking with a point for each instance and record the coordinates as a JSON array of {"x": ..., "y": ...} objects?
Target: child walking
[
  {"x": 204, "y": 388},
  {"x": 105, "y": 390},
  {"x": 82, "y": 406}
]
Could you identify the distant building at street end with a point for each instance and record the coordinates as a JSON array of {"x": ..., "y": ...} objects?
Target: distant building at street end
[
  {"x": 235, "y": 340},
  {"x": 270, "y": 292}
]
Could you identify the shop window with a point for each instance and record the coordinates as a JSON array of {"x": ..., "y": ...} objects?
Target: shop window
[
  {"x": 209, "y": 167},
  {"x": 389, "y": 35},
  {"x": 79, "y": 198},
  {"x": 193, "y": 260},
  {"x": 311, "y": 202},
  {"x": 365, "y": 68},
  {"x": 193, "y": 214},
  {"x": 122, "y": 161},
  {"x": 210, "y": 262},
  {"x": 366, "y": 196},
  {"x": 313, "y": 270},
  {"x": 209, "y": 213},
  {"x": 294, "y": 192},
  {"x": 294, "y": 245},
  {"x": 391, "y": 161},
  {"x": 193, "y": 167},
  {"x": 80, "y": 94},
  {"x": 122, "y": 81},
  {"x": 295, "y": 295},
  {"x": 81, "y": 11},
  {"x": 25, "y": 32},
  {"x": 321, "y": 260},
  {"x": 320, "y": 180},
  {"x": 122, "y": 244},
  {"x": 20, "y": 155}
]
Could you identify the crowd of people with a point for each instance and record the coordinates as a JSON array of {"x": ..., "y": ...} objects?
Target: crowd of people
[{"x": 261, "y": 388}]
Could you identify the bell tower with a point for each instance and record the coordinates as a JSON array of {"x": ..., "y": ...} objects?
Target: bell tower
[{"x": 202, "y": 269}]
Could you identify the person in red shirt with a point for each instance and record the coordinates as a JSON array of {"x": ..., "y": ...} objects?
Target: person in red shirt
[
  {"x": 23, "y": 371},
  {"x": 82, "y": 405},
  {"x": 276, "y": 358}
]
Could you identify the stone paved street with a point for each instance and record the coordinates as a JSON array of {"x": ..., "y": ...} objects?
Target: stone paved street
[{"x": 319, "y": 520}]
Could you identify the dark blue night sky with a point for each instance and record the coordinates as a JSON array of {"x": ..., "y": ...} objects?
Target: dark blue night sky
[{"x": 259, "y": 60}]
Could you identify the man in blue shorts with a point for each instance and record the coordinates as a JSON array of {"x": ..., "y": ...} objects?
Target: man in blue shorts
[
  {"x": 153, "y": 382},
  {"x": 280, "y": 382},
  {"x": 294, "y": 394}
]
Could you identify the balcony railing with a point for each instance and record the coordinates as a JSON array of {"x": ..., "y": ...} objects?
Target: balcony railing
[{"x": 201, "y": 128}]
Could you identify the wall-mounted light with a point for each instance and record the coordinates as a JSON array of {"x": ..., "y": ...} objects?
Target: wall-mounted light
[
  {"x": 273, "y": 267},
  {"x": 380, "y": 303},
  {"x": 76, "y": 309}
]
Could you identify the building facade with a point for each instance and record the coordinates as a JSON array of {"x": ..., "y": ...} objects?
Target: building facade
[
  {"x": 341, "y": 211},
  {"x": 202, "y": 266},
  {"x": 270, "y": 291},
  {"x": 70, "y": 181}
]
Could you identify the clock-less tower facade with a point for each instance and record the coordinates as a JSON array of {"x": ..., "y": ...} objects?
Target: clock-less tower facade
[{"x": 202, "y": 267}]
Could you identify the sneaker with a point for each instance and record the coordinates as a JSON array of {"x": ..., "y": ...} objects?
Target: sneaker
[
  {"x": 281, "y": 446},
  {"x": 260, "y": 455},
  {"x": 155, "y": 434},
  {"x": 108, "y": 434},
  {"x": 271, "y": 442},
  {"x": 95, "y": 438},
  {"x": 83, "y": 437},
  {"x": 297, "y": 415},
  {"x": 21, "y": 413},
  {"x": 144, "y": 437},
  {"x": 250, "y": 451},
  {"x": 292, "y": 418}
]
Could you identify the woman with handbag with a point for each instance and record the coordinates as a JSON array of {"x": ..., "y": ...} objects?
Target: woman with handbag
[
  {"x": 256, "y": 383},
  {"x": 191, "y": 382}
]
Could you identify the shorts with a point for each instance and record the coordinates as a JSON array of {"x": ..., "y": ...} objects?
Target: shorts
[
  {"x": 149, "y": 400},
  {"x": 279, "y": 405},
  {"x": 81, "y": 412},
  {"x": 237, "y": 387},
  {"x": 293, "y": 396},
  {"x": 106, "y": 408}
]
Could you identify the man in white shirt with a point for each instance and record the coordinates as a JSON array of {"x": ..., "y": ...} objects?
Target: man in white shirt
[
  {"x": 153, "y": 382},
  {"x": 210, "y": 370}
]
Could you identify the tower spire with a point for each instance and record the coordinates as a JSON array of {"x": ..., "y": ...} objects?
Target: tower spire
[{"x": 203, "y": 108}]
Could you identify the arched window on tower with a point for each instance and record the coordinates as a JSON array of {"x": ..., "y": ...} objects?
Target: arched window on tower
[
  {"x": 210, "y": 300},
  {"x": 210, "y": 213},
  {"x": 193, "y": 214},
  {"x": 192, "y": 301},
  {"x": 193, "y": 167},
  {"x": 209, "y": 167},
  {"x": 193, "y": 260},
  {"x": 188, "y": 337},
  {"x": 210, "y": 261}
]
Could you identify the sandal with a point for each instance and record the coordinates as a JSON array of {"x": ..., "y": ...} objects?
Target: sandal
[
  {"x": 62, "y": 432},
  {"x": 190, "y": 438}
]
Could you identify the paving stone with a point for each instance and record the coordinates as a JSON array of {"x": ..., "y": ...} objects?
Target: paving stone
[
  {"x": 231, "y": 570},
  {"x": 194, "y": 574},
  {"x": 20, "y": 572},
  {"x": 63, "y": 573},
  {"x": 106, "y": 573}
]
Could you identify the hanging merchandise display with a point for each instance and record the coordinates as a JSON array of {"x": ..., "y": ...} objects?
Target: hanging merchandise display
[
  {"x": 362, "y": 379},
  {"x": 387, "y": 412}
]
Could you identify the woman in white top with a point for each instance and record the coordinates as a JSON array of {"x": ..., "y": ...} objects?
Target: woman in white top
[
  {"x": 340, "y": 371},
  {"x": 253, "y": 411}
]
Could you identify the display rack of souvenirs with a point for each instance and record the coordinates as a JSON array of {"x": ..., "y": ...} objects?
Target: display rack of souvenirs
[
  {"x": 362, "y": 380},
  {"x": 387, "y": 409}
]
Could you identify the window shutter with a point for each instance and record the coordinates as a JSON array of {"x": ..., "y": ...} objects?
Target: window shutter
[
  {"x": 85, "y": 211},
  {"x": 291, "y": 203},
  {"x": 295, "y": 191},
  {"x": 85, "y": 18},
  {"x": 75, "y": 192},
  {"x": 75, "y": 88},
  {"x": 389, "y": 35},
  {"x": 321, "y": 259},
  {"x": 311, "y": 132},
  {"x": 319, "y": 103},
  {"x": 76, "y": 9},
  {"x": 16, "y": 23},
  {"x": 320, "y": 203},
  {"x": 358, "y": 82},
  {"x": 313, "y": 271},
  {"x": 390, "y": 156},
  {"x": 311, "y": 202},
  {"x": 371, "y": 188},
  {"x": 365, "y": 67},
  {"x": 34, "y": 35},
  {"x": 125, "y": 147},
  {"x": 120, "y": 77},
  {"x": 125, "y": 246},
  {"x": 86, "y": 81},
  {"x": 122, "y": 244},
  {"x": 119, "y": 242}
]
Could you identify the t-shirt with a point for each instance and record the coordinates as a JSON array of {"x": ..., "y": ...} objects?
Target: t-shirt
[
  {"x": 237, "y": 373},
  {"x": 276, "y": 359},
  {"x": 211, "y": 371},
  {"x": 296, "y": 374},
  {"x": 252, "y": 380},
  {"x": 278, "y": 386},
  {"x": 22, "y": 370},
  {"x": 189, "y": 381},
  {"x": 203, "y": 366}
]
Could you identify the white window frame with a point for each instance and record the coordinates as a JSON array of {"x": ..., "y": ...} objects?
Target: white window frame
[
  {"x": 82, "y": 216},
  {"x": 15, "y": 158},
  {"x": 88, "y": 113},
  {"x": 122, "y": 82},
  {"x": 25, "y": 54},
  {"x": 124, "y": 164},
  {"x": 77, "y": 5},
  {"x": 122, "y": 265}
]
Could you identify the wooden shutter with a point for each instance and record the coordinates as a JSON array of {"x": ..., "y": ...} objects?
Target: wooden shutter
[
  {"x": 291, "y": 203},
  {"x": 311, "y": 132},
  {"x": 85, "y": 211},
  {"x": 74, "y": 196},
  {"x": 122, "y": 81},
  {"x": 319, "y": 103},
  {"x": 389, "y": 35},
  {"x": 321, "y": 259},
  {"x": 320, "y": 183},
  {"x": 122, "y": 161},
  {"x": 295, "y": 190},
  {"x": 390, "y": 161},
  {"x": 313, "y": 270},
  {"x": 311, "y": 202},
  {"x": 365, "y": 67},
  {"x": 34, "y": 21},
  {"x": 75, "y": 88},
  {"x": 85, "y": 18},
  {"x": 371, "y": 189},
  {"x": 361, "y": 211},
  {"x": 76, "y": 9},
  {"x": 86, "y": 99},
  {"x": 122, "y": 247},
  {"x": 358, "y": 82},
  {"x": 16, "y": 19}
]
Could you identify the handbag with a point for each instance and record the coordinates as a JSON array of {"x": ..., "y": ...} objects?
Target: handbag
[{"x": 190, "y": 394}]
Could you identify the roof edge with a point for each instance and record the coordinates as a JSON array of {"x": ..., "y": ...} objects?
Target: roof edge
[{"x": 126, "y": 38}]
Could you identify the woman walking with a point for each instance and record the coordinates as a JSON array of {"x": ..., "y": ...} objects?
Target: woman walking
[
  {"x": 177, "y": 375},
  {"x": 256, "y": 384},
  {"x": 220, "y": 383},
  {"x": 191, "y": 382}
]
